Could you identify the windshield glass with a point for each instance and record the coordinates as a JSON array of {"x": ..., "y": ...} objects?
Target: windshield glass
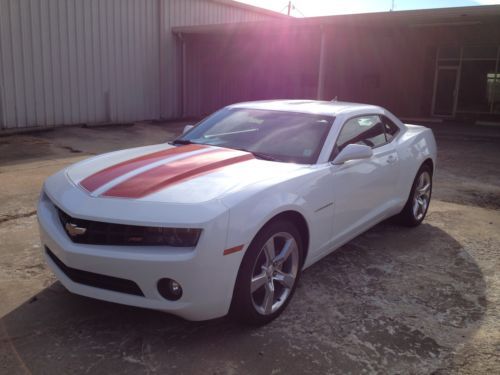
[{"x": 272, "y": 135}]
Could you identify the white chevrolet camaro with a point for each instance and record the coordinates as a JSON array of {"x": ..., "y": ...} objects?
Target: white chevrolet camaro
[{"x": 226, "y": 217}]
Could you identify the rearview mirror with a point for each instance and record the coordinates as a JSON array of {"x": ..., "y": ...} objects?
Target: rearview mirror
[
  {"x": 353, "y": 152},
  {"x": 187, "y": 128}
]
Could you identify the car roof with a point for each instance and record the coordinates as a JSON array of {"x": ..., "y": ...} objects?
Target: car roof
[{"x": 328, "y": 108}]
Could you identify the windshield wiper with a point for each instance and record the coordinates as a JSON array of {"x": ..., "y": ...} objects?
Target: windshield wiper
[
  {"x": 182, "y": 142},
  {"x": 263, "y": 156},
  {"x": 257, "y": 154}
]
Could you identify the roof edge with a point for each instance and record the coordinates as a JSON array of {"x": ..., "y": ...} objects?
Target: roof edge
[
  {"x": 490, "y": 9},
  {"x": 252, "y": 8},
  {"x": 461, "y": 14}
]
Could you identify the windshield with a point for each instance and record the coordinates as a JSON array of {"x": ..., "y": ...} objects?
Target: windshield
[{"x": 272, "y": 135}]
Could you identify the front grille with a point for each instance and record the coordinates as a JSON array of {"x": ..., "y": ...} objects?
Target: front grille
[
  {"x": 96, "y": 280},
  {"x": 100, "y": 233}
]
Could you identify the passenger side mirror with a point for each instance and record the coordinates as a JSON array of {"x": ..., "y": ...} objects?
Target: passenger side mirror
[
  {"x": 353, "y": 152},
  {"x": 187, "y": 128}
]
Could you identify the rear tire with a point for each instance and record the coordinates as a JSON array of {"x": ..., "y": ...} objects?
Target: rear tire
[
  {"x": 268, "y": 275},
  {"x": 418, "y": 202}
]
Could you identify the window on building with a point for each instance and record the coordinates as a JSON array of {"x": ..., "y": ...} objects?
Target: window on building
[
  {"x": 449, "y": 52},
  {"x": 493, "y": 90},
  {"x": 476, "y": 88},
  {"x": 467, "y": 80}
]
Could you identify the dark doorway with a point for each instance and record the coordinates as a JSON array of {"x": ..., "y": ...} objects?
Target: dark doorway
[
  {"x": 476, "y": 91},
  {"x": 445, "y": 94}
]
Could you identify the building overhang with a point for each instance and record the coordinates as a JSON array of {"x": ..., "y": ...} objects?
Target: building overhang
[{"x": 422, "y": 18}]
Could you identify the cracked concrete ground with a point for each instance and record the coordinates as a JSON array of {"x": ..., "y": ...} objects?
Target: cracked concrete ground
[{"x": 392, "y": 301}]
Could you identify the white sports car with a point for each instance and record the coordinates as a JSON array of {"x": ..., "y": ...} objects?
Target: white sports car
[{"x": 225, "y": 217}]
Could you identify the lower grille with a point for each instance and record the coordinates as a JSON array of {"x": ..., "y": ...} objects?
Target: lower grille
[{"x": 96, "y": 280}]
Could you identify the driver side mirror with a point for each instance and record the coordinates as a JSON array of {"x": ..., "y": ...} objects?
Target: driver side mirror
[
  {"x": 353, "y": 152},
  {"x": 187, "y": 128}
]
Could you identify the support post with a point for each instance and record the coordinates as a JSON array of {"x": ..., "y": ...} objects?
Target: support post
[
  {"x": 3, "y": 122},
  {"x": 322, "y": 65},
  {"x": 161, "y": 53},
  {"x": 183, "y": 76}
]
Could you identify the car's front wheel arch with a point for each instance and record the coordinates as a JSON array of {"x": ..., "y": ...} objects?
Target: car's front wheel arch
[
  {"x": 408, "y": 215},
  {"x": 300, "y": 223},
  {"x": 430, "y": 164},
  {"x": 295, "y": 223}
]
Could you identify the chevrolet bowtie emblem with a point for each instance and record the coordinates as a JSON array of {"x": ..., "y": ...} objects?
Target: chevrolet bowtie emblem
[{"x": 74, "y": 230}]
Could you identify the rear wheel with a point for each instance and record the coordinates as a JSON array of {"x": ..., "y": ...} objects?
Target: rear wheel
[
  {"x": 269, "y": 274},
  {"x": 420, "y": 197}
]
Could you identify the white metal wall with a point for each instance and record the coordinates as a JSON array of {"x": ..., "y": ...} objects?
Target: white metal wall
[{"x": 91, "y": 61}]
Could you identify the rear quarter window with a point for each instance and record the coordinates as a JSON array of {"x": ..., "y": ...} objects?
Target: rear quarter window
[
  {"x": 390, "y": 128},
  {"x": 363, "y": 130}
]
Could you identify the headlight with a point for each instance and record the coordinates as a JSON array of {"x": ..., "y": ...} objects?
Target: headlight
[
  {"x": 101, "y": 233},
  {"x": 179, "y": 237}
]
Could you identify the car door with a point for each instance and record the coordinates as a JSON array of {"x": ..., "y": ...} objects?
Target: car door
[{"x": 363, "y": 189}]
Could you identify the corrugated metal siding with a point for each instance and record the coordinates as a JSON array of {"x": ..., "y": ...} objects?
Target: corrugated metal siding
[
  {"x": 74, "y": 61},
  {"x": 92, "y": 61},
  {"x": 202, "y": 12}
]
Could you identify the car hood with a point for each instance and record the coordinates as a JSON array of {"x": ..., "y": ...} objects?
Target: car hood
[{"x": 178, "y": 174}]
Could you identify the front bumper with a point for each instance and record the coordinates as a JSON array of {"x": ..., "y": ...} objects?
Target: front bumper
[{"x": 207, "y": 276}]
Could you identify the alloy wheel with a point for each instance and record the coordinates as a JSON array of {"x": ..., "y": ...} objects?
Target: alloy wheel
[
  {"x": 422, "y": 195},
  {"x": 274, "y": 273}
]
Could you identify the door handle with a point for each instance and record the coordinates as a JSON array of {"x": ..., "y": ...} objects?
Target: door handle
[{"x": 391, "y": 159}]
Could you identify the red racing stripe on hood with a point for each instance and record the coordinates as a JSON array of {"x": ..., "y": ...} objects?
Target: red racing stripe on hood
[
  {"x": 95, "y": 181},
  {"x": 175, "y": 172}
]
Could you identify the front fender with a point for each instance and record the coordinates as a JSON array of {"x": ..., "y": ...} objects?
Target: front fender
[
  {"x": 247, "y": 219},
  {"x": 310, "y": 195},
  {"x": 414, "y": 148}
]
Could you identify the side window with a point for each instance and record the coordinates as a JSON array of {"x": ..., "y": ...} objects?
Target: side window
[
  {"x": 363, "y": 130},
  {"x": 391, "y": 129}
]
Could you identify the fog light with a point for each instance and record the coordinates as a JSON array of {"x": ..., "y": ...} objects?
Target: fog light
[{"x": 169, "y": 289}]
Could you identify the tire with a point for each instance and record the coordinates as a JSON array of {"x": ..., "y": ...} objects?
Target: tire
[
  {"x": 418, "y": 202},
  {"x": 273, "y": 279}
]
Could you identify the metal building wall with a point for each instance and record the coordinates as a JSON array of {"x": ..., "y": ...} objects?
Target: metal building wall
[
  {"x": 191, "y": 13},
  {"x": 92, "y": 61},
  {"x": 254, "y": 65}
]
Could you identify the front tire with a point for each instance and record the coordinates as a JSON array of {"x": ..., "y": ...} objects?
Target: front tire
[
  {"x": 268, "y": 274},
  {"x": 418, "y": 202}
]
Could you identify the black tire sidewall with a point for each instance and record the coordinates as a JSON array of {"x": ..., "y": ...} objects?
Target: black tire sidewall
[
  {"x": 242, "y": 307},
  {"x": 407, "y": 216}
]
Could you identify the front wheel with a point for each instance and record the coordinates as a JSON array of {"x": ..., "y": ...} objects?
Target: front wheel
[
  {"x": 420, "y": 197},
  {"x": 268, "y": 274}
]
